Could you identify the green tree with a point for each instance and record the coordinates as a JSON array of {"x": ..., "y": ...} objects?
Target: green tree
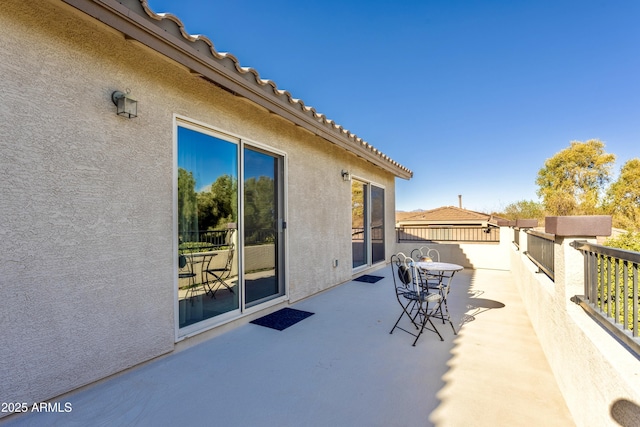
[
  {"x": 623, "y": 197},
  {"x": 629, "y": 241},
  {"x": 524, "y": 209},
  {"x": 572, "y": 181}
]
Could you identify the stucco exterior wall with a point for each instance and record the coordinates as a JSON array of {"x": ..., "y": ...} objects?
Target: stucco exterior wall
[{"x": 87, "y": 281}]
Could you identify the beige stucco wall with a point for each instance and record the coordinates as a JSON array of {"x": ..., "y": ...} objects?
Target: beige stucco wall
[
  {"x": 598, "y": 377},
  {"x": 492, "y": 256},
  {"x": 87, "y": 278}
]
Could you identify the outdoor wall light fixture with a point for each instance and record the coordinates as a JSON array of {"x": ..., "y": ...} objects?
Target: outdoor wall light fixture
[
  {"x": 346, "y": 176},
  {"x": 125, "y": 105}
]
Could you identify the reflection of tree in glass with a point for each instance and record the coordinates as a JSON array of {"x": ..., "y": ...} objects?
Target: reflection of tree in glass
[
  {"x": 259, "y": 210},
  {"x": 377, "y": 207},
  {"x": 357, "y": 205},
  {"x": 217, "y": 206},
  {"x": 206, "y": 210},
  {"x": 187, "y": 204}
]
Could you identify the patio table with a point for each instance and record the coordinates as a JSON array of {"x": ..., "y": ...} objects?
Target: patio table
[
  {"x": 444, "y": 269},
  {"x": 442, "y": 272}
]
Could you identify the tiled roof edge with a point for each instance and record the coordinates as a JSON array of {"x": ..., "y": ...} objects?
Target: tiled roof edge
[{"x": 319, "y": 117}]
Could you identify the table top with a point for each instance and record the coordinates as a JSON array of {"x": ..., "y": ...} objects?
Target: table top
[{"x": 438, "y": 266}]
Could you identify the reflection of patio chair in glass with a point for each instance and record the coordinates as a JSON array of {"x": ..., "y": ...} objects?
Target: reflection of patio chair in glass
[
  {"x": 220, "y": 275},
  {"x": 185, "y": 271}
]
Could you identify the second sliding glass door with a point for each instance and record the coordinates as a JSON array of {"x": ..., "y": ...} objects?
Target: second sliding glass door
[
  {"x": 263, "y": 226},
  {"x": 367, "y": 224}
]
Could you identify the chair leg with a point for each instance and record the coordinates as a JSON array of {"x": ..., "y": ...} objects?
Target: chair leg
[
  {"x": 446, "y": 309},
  {"x": 452, "y": 327},
  {"x": 214, "y": 288},
  {"x": 408, "y": 314},
  {"x": 427, "y": 319},
  {"x": 446, "y": 313},
  {"x": 424, "y": 327},
  {"x": 396, "y": 324},
  {"x": 215, "y": 285},
  {"x": 223, "y": 283},
  {"x": 207, "y": 286}
]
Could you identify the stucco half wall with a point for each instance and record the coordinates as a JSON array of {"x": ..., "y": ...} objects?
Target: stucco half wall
[
  {"x": 87, "y": 282},
  {"x": 494, "y": 256}
]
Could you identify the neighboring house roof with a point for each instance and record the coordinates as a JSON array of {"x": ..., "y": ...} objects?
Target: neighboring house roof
[
  {"x": 446, "y": 215},
  {"x": 166, "y": 34}
]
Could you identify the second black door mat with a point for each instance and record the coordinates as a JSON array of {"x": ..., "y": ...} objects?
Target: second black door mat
[
  {"x": 368, "y": 278},
  {"x": 282, "y": 319}
]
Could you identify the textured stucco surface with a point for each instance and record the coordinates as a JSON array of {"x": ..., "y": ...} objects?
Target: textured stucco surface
[
  {"x": 86, "y": 219},
  {"x": 87, "y": 278}
]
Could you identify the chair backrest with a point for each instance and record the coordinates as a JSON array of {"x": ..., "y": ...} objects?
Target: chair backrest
[
  {"x": 230, "y": 253},
  {"x": 185, "y": 269},
  {"x": 433, "y": 254},
  {"x": 419, "y": 253},
  {"x": 231, "y": 228},
  {"x": 403, "y": 272},
  {"x": 182, "y": 261},
  {"x": 228, "y": 266},
  {"x": 425, "y": 253}
]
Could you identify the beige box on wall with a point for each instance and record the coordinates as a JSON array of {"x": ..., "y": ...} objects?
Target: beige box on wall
[
  {"x": 526, "y": 223},
  {"x": 578, "y": 225}
]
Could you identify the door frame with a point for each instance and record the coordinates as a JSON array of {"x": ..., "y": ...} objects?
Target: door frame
[
  {"x": 367, "y": 226},
  {"x": 242, "y": 311}
]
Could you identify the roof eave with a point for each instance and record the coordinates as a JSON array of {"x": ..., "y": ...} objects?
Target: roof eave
[{"x": 139, "y": 25}]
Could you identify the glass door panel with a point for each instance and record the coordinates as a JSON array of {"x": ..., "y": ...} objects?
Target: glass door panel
[
  {"x": 359, "y": 232},
  {"x": 367, "y": 224},
  {"x": 263, "y": 226},
  {"x": 377, "y": 224},
  {"x": 207, "y": 218}
]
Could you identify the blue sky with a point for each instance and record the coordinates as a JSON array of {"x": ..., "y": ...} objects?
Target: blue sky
[
  {"x": 208, "y": 158},
  {"x": 472, "y": 96}
]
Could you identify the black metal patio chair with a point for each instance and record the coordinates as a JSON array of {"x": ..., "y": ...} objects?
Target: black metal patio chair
[
  {"x": 414, "y": 300},
  {"x": 434, "y": 281}
]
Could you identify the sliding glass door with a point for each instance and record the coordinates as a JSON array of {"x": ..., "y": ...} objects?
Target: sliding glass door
[
  {"x": 230, "y": 237},
  {"x": 359, "y": 200},
  {"x": 207, "y": 218},
  {"x": 263, "y": 226},
  {"x": 377, "y": 224},
  {"x": 367, "y": 224}
]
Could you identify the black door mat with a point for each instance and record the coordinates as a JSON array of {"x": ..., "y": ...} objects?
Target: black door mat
[
  {"x": 368, "y": 278},
  {"x": 282, "y": 319}
]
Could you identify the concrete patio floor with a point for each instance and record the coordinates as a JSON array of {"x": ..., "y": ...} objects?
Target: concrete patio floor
[{"x": 341, "y": 367}]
